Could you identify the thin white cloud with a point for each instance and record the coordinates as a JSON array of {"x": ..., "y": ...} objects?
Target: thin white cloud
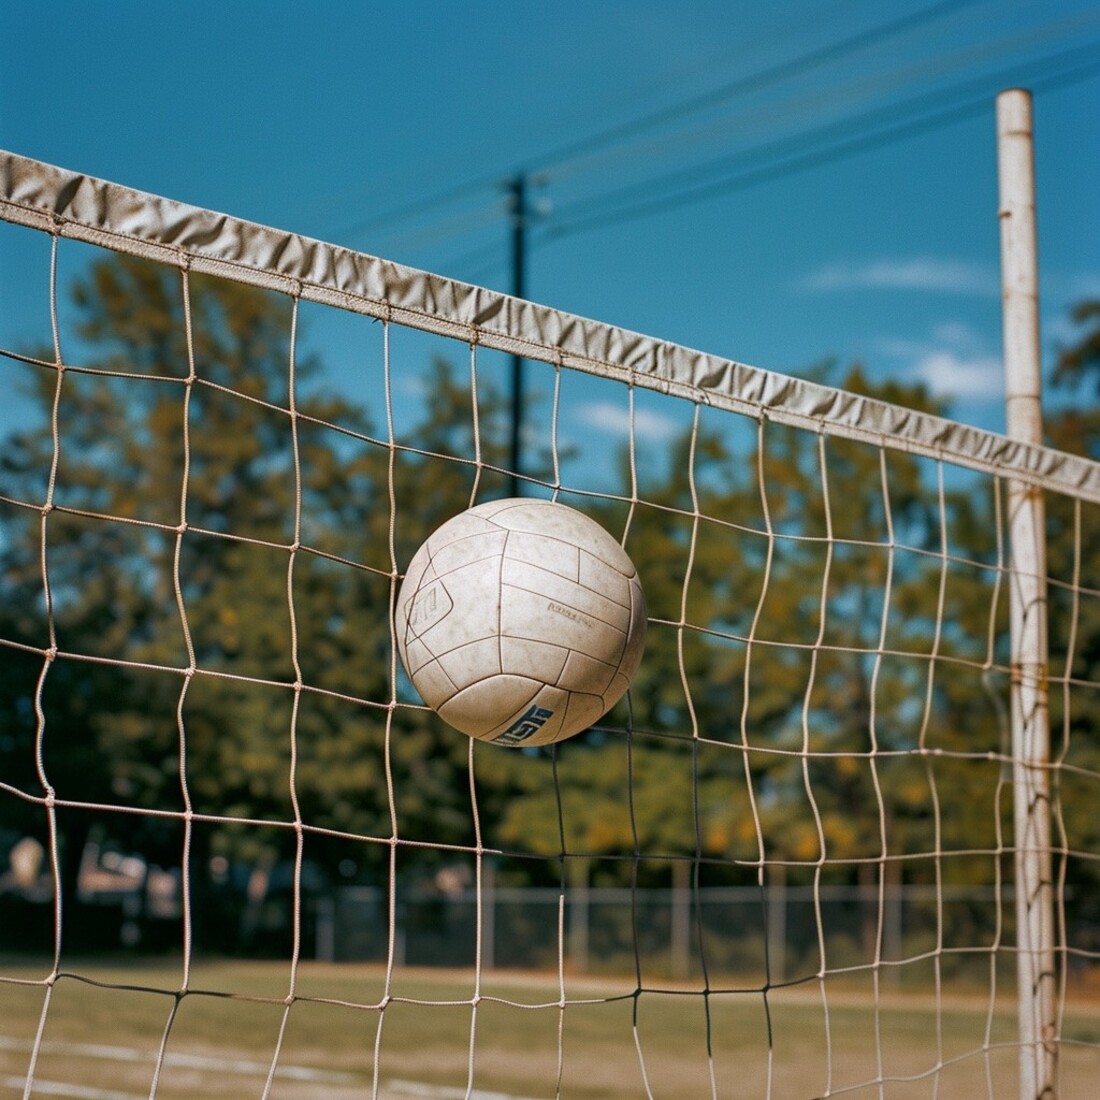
[
  {"x": 947, "y": 373},
  {"x": 959, "y": 335},
  {"x": 917, "y": 273},
  {"x": 954, "y": 361},
  {"x": 613, "y": 419}
]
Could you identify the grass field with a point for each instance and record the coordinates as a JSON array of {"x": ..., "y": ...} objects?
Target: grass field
[{"x": 104, "y": 1028}]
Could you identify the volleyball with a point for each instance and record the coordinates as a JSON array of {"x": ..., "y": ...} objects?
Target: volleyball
[{"x": 521, "y": 621}]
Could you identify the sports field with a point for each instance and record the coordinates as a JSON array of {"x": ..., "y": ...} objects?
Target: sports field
[{"x": 104, "y": 1029}]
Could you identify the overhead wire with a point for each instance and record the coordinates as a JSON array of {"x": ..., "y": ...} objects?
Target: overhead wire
[
  {"x": 767, "y": 161},
  {"x": 437, "y": 231},
  {"x": 479, "y": 256},
  {"x": 790, "y": 154},
  {"x": 799, "y": 65},
  {"x": 558, "y": 158},
  {"x": 860, "y": 88},
  {"x": 804, "y": 150},
  {"x": 421, "y": 205}
]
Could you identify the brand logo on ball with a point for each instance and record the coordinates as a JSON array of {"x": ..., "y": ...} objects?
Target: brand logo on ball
[
  {"x": 430, "y": 605},
  {"x": 525, "y": 726},
  {"x": 569, "y": 613}
]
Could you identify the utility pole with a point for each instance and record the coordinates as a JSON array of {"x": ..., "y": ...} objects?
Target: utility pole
[{"x": 517, "y": 192}]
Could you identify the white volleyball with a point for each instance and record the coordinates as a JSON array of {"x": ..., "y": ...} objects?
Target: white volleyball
[{"x": 521, "y": 621}]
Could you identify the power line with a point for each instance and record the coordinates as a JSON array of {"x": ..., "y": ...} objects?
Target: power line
[
  {"x": 487, "y": 257},
  {"x": 420, "y": 206},
  {"x": 753, "y": 82},
  {"x": 793, "y": 155},
  {"x": 860, "y": 88},
  {"x": 795, "y": 66},
  {"x": 786, "y": 156},
  {"x": 435, "y": 232},
  {"x": 703, "y": 181}
]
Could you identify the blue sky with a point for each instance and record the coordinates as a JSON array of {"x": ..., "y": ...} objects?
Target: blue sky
[{"x": 777, "y": 183}]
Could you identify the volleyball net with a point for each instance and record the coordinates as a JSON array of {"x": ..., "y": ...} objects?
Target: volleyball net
[{"x": 227, "y": 444}]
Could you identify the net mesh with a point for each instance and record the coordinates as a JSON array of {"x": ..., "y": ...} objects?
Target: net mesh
[{"x": 244, "y": 857}]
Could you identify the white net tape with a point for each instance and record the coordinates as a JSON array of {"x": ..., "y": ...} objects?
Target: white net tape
[{"x": 244, "y": 858}]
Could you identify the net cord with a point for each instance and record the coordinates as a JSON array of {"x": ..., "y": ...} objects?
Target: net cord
[{"x": 938, "y": 659}]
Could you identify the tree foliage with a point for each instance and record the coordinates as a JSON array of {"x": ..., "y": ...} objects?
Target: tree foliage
[
  {"x": 1073, "y": 549},
  {"x": 198, "y": 577}
]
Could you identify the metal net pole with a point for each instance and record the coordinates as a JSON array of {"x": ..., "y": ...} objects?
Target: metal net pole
[{"x": 1028, "y": 609}]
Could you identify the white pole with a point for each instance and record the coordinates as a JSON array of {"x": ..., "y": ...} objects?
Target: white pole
[{"x": 1035, "y": 971}]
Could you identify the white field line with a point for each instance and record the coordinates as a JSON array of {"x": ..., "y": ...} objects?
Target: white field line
[
  {"x": 235, "y": 1065},
  {"x": 74, "y": 1092},
  {"x": 393, "y": 1088},
  {"x": 186, "y": 1061},
  {"x": 441, "y": 1092}
]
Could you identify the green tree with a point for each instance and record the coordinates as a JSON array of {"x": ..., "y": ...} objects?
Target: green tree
[
  {"x": 184, "y": 481},
  {"x": 773, "y": 717},
  {"x": 168, "y": 547},
  {"x": 1073, "y": 553},
  {"x": 1080, "y": 361}
]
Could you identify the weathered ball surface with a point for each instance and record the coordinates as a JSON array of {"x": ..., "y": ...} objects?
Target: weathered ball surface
[{"x": 521, "y": 621}]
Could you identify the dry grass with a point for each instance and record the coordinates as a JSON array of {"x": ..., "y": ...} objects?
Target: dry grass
[{"x": 105, "y": 1024}]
